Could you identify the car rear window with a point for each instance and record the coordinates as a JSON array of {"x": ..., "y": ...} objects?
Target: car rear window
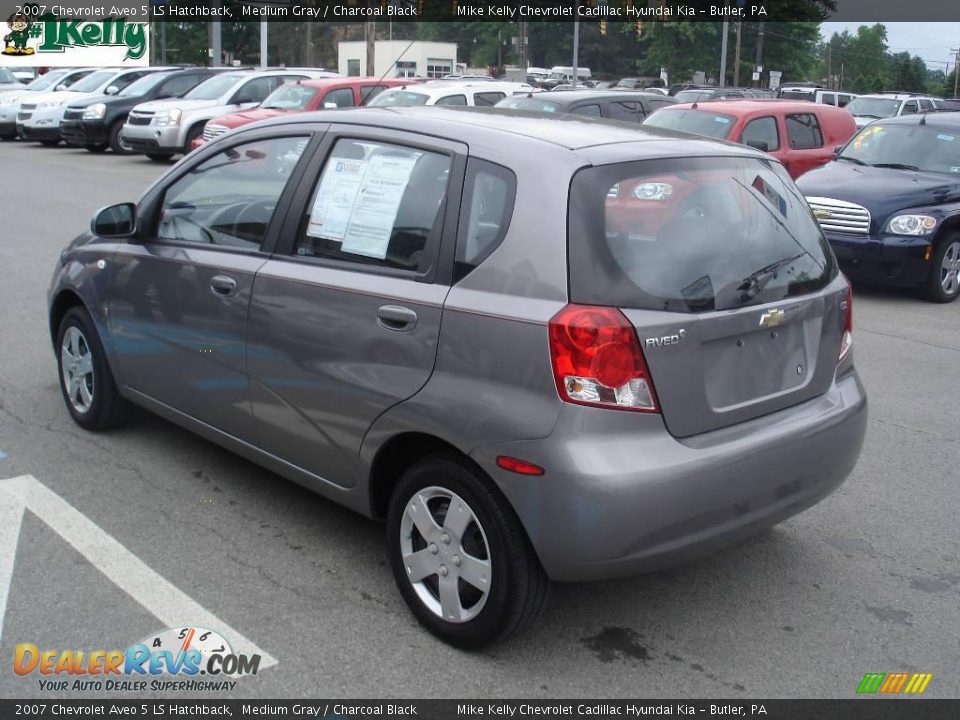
[
  {"x": 398, "y": 98},
  {"x": 692, "y": 235},
  {"x": 529, "y": 103},
  {"x": 701, "y": 122}
]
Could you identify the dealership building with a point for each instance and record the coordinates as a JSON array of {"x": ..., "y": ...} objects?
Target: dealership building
[{"x": 399, "y": 58}]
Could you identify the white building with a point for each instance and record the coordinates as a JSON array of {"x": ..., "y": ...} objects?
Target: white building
[{"x": 421, "y": 59}]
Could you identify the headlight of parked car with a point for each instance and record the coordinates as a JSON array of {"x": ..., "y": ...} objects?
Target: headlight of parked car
[
  {"x": 167, "y": 117},
  {"x": 95, "y": 112},
  {"x": 912, "y": 225},
  {"x": 652, "y": 191}
]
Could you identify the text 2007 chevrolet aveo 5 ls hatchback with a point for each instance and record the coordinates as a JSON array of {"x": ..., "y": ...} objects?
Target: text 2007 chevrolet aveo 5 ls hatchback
[{"x": 539, "y": 348}]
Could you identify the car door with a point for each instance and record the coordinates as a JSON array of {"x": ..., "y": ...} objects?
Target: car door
[
  {"x": 179, "y": 293},
  {"x": 805, "y": 143},
  {"x": 338, "y": 98},
  {"x": 345, "y": 317},
  {"x": 623, "y": 110},
  {"x": 762, "y": 133},
  {"x": 909, "y": 108}
]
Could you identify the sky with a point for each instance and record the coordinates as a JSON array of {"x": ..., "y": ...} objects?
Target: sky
[{"x": 930, "y": 40}]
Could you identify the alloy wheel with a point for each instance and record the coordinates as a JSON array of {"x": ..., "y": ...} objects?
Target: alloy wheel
[
  {"x": 445, "y": 554},
  {"x": 76, "y": 362},
  {"x": 950, "y": 269}
]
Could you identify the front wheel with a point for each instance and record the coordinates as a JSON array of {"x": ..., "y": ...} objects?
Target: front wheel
[
  {"x": 943, "y": 285},
  {"x": 460, "y": 556},
  {"x": 116, "y": 141},
  {"x": 85, "y": 379},
  {"x": 95, "y": 148}
]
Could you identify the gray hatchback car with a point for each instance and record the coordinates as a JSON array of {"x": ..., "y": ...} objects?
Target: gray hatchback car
[{"x": 537, "y": 348}]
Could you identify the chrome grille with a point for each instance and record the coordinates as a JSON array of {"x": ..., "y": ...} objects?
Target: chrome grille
[
  {"x": 21, "y": 116},
  {"x": 212, "y": 131},
  {"x": 840, "y": 216},
  {"x": 26, "y": 106},
  {"x": 72, "y": 114},
  {"x": 139, "y": 118}
]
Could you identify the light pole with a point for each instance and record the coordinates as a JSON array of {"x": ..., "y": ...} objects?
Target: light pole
[{"x": 576, "y": 49}]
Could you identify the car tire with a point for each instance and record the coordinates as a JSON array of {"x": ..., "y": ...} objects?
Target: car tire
[
  {"x": 943, "y": 285},
  {"x": 49, "y": 143},
  {"x": 94, "y": 148},
  {"x": 488, "y": 539},
  {"x": 192, "y": 134},
  {"x": 86, "y": 380},
  {"x": 116, "y": 142},
  {"x": 160, "y": 157}
]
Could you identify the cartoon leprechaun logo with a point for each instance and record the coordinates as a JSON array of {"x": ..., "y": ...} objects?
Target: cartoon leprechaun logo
[{"x": 15, "y": 42}]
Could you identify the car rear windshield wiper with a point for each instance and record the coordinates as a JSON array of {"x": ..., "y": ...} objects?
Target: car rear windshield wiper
[
  {"x": 848, "y": 158},
  {"x": 753, "y": 284},
  {"x": 896, "y": 166}
]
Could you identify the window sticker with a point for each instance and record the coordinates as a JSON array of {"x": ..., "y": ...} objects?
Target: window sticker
[
  {"x": 721, "y": 119},
  {"x": 358, "y": 200},
  {"x": 948, "y": 138}
]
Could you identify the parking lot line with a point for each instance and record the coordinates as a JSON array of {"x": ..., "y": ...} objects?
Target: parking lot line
[{"x": 156, "y": 594}]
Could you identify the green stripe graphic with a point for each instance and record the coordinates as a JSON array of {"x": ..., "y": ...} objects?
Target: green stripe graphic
[{"x": 871, "y": 682}]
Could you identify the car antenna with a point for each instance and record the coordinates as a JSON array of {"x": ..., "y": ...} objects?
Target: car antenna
[
  {"x": 694, "y": 106},
  {"x": 923, "y": 119}
]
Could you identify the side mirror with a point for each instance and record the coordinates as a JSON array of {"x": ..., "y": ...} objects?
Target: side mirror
[
  {"x": 112, "y": 90},
  {"x": 60, "y": 87},
  {"x": 836, "y": 151},
  {"x": 243, "y": 100},
  {"x": 760, "y": 145},
  {"x": 330, "y": 106},
  {"x": 115, "y": 221}
]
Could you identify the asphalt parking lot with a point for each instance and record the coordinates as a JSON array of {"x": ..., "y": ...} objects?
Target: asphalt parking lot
[{"x": 867, "y": 581}]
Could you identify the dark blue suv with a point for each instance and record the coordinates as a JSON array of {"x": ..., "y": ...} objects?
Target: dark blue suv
[{"x": 889, "y": 204}]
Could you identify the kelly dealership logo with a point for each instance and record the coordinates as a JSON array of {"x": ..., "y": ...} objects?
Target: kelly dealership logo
[
  {"x": 42, "y": 37},
  {"x": 173, "y": 659}
]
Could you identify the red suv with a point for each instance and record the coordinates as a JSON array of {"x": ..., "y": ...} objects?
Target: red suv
[
  {"x": 801, "y": 135},
  {"x": 304, "y": 96}
]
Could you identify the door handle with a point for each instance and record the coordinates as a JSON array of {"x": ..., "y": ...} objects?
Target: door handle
[
  {"x": 396, "y": 317},
  {"x": 223, "y": 286}
]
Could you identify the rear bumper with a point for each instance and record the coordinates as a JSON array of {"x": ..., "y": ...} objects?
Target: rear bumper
[
  {"x": 621, "y": 496},
  {"x": 83, "y": 132},
  {"x": 882, "y": 259}
]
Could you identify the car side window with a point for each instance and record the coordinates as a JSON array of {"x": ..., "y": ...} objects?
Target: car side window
[
  {"x": 369, "y": 92},
  {"x": 925, "y": 105},
  {"x": 763, "y": 130},
  {"x": 376, "y": 204},
  {"x": 829, "y": 99},
  {"x": 626, "y": 111},
  {"x": 588, "y": 110},
  {"x": 803, "y": 131},
  {"x": 228, "y": 200},
  {"x": 909, "y": 108},
  {"x": 175, "y": 87},
  {"x": 342, "y": 97},
  {"x": 842, "y": 100},
  {"x": 452, "y": 100},
  {"x": 255, "y": 90},
  {"x": 122, "y": 82},
  {"x": 490, "y": 191},
  {"x": 487, "y": 99}
]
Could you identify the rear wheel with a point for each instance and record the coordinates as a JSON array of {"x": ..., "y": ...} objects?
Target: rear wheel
[
  {"x": 943, "y": 285},
  {"x": 96, "y": 148},
  {"x": 160, "y": 157},
  {"x": 85, "y": 379},
  {"x": 116, "y": 141},
  {"x": 459, "y": 554}
]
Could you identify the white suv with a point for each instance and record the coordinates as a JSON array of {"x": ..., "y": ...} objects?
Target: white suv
[{"x": 867, "y": 108}]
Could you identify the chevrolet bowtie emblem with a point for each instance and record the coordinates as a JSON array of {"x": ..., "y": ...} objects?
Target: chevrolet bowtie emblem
[
  {"x": 822, "y": 214},
  {"x": 772, "y": 318}
]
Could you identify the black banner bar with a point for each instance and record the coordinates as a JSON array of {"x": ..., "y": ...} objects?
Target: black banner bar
[{"x": 873, "y": 708}]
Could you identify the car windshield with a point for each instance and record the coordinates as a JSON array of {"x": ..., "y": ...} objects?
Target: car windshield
[
  {"x": 685, "y": 96},
  {"x": 398, "y": 98},
  {"x": 290, "y": 97},
  {"x": 692, "y": 235},
  {"x": 93, "y": 81},
  {"x": 923, "y": 147},
  {"x": 144, "y": 84},
  {"x": 213, "y": 88},
  {"x": 528, "y": 103},
  {"x": 797, "y": 94},
  {"x": 45, "y": 82},
  {"x": 701, "y": 122},
  {"x": 873, "y": 107},
  {"x": 7, "y": 77}
]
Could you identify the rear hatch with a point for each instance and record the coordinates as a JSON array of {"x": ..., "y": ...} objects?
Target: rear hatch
[{"x": 723, "y": 272}]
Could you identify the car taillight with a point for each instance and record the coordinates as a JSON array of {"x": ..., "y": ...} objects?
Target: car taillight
[
  {"x": 597, "y": 360},
  {"x": 847, "y": 342}
]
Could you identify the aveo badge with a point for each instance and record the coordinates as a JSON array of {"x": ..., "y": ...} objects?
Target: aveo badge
[{"x": 664, "y": 340}]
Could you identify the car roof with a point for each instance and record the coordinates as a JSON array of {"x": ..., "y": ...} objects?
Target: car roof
[
  {"x": 350, "y": 81},
  {"x": 568, "y": 97},
  {"x": 737, "y": 106},
  {"x": 945, "y": 120},
  {"x": 897, "y": 96},
  {"x": 445, "y": 88},
  {"x": 562, "y": 132}
]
